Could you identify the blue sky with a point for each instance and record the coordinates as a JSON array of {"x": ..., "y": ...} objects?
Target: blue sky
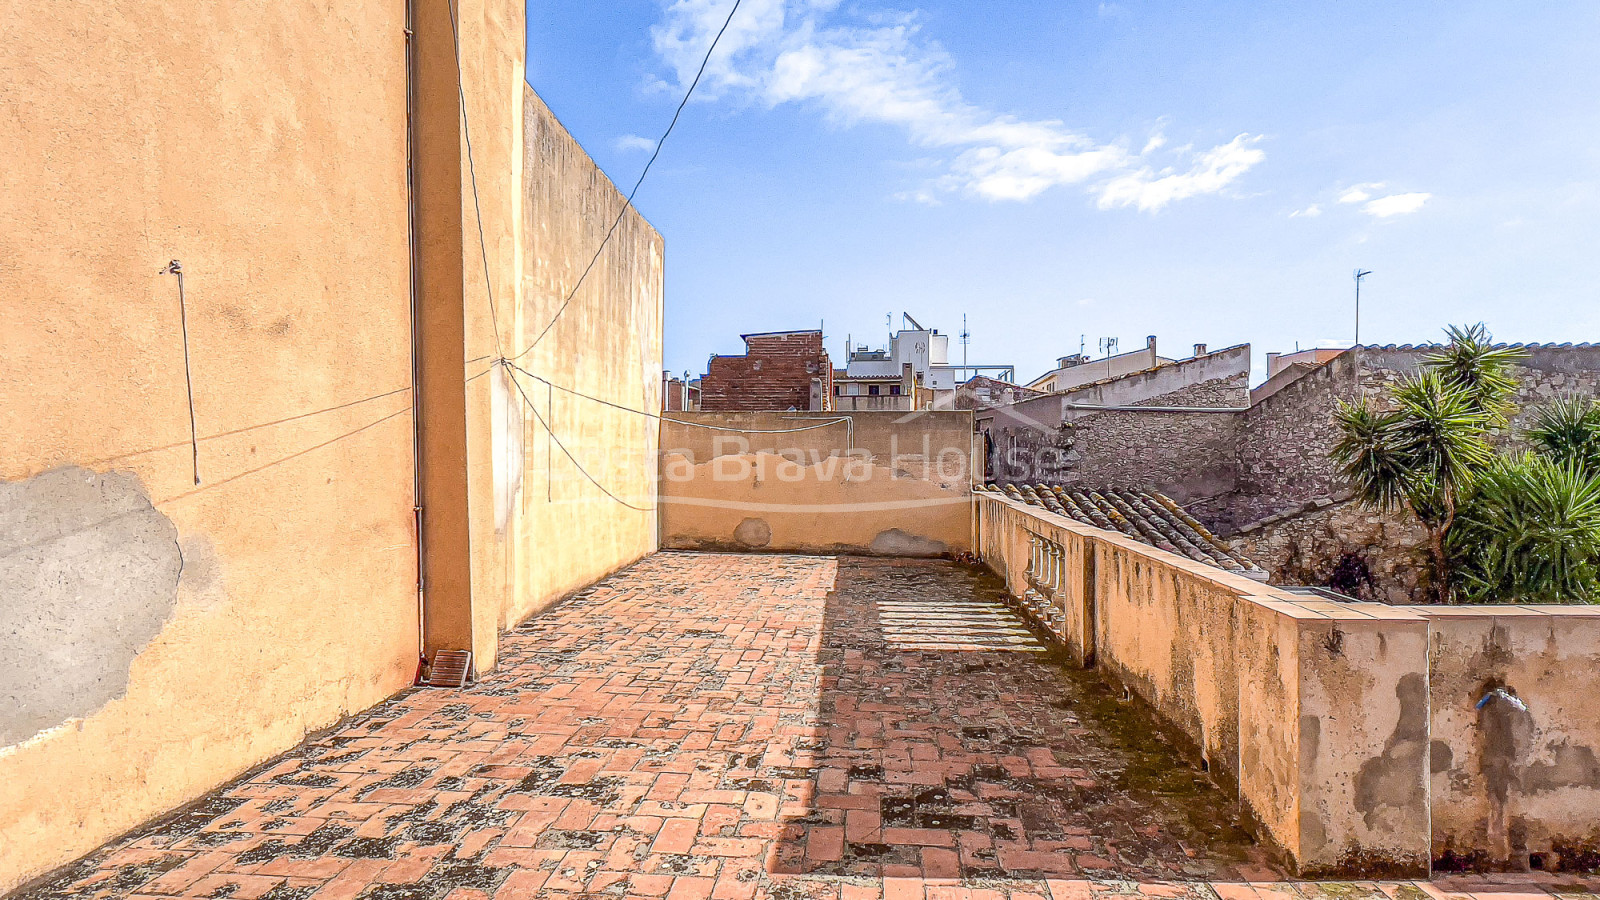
[{"x": 1202, "y": 172}]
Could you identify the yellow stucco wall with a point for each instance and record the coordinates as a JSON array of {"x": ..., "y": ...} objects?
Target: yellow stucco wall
[
  {"x": 886, "y": 483},
  {"x": 262, "y": 144},
  {"x": 1311, "y": 710},
  {"x": 1510, "y": 780}
]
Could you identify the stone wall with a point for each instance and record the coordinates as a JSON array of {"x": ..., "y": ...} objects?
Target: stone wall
[
  {"x": 1188, "y": 455},
  {"x": 1341, "y": 545},
  {"x": 1289, "y": 513}
]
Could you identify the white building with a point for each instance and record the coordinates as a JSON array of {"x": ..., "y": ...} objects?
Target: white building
[{"x": 883, "y": 373}]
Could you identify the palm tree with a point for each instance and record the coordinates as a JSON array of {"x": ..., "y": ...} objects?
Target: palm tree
[
  {"x": 1483, "y": 370},
  {"x": 1568, "y": 430},
  {"x": 1529, "y": 532},
  {"x": 1423, "y": 454}
]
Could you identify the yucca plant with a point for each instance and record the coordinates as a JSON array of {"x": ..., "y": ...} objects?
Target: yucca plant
[
  {"x": 1529, "y": 532},
  {"x": 1424, "y": 454},
  {"x": 1568, "y": 430},
  {"x": 1484, "y": 371}
]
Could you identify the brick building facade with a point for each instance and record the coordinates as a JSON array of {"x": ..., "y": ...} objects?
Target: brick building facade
[{"x": 779, "y": 370}]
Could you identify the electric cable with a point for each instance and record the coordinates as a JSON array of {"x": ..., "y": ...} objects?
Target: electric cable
[
  {"x": 563, "y": 447},
  {"x": 628, "y": 203},
  {"x": 650, "y": 415}
]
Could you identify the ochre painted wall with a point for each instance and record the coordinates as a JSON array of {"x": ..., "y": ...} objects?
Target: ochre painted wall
[
  {"x": 1312, "y": 710},
  {"x": 185, "y": 633},
  {"x": 262, "y": 144},
  {"x": 884, "y": 483},
  {"x": 541, "y": 527}
]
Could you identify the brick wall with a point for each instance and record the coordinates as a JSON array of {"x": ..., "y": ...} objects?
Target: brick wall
[{"x": 774, "y": 374}]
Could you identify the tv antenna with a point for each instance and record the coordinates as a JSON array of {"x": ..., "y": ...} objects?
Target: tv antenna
[
  {"x": 1108, "y": 346},
  {"x": 1358, "y": 276},
  {"x": 966, "y": 337}
]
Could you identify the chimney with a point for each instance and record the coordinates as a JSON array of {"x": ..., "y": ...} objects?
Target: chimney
[{"x": 1199, "y": 349}]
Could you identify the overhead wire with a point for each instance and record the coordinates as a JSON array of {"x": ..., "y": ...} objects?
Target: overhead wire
[
  {"x": 628, "y": 203},
  {"x": 651, "y": 415},
  {"x": 550, "y": 432},
  {"x": 500, "y": 356},
  {"x": 472, "y": 173}
]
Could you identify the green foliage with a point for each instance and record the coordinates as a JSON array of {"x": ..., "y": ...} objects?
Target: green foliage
[
  {"x": 1426, "y": 453},
  {"x": 1441, "y": 434},
  {"x": 1482, "y": 371},
  {"x": 1529, "y": 532},
  {"x": 1369, "y": 450},
  {"x": 1568, "y": 431}
]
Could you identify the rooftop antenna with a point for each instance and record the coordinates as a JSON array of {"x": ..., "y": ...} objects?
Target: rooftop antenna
[
  {"x": 966, "y": 336},
  {"x": 1359, "y": 275},
  {"x": 1108, "y": 346}
]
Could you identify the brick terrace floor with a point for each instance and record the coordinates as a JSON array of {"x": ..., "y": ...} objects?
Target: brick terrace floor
[{"x": 730, "y": 727}]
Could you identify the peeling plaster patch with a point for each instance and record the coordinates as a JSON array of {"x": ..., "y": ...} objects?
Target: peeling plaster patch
[
  {"x": 1574, "y": 766},
  {"x": 753, "y": 532},
  {"x": 89, "y": 573},
  {"x": 1396, "y": 778},
  {"x": 1440, "y": 757},
  {"x": 895, "y": 542},
  {"x": 506, "y": 436}
]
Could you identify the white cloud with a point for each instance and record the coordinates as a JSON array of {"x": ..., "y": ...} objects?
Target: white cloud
[
  {"x": 859, "y": 68},
  {"x": 1356, "y": 193},
  {"x": 1310, "y": 212},
  {"x": 635, "y": 142},
  {"x": 1396, "y": 205},
  {"x": 1210, "y": 173}
]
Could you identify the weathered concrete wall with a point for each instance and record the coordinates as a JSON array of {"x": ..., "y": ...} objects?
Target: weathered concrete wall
[
  {"x": 1363, "y": 741},
  {"x": 174, "y": 634},
  {"x": 1309, "y": 709},
  {"x": 886, "y": 483},
  {"x": 1515, "y": 779}
]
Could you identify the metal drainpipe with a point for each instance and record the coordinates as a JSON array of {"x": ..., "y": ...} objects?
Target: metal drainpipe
[{"x": 416, "y": 331}]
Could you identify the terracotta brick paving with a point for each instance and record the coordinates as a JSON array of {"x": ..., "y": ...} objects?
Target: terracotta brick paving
[{"x": 730, "y": 727}]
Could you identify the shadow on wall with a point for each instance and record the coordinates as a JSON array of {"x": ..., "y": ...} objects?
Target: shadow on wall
[{"x": 989, "y": 762}]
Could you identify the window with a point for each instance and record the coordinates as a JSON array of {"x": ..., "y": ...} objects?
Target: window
[
  {"x": 894, "y": 390},
  {"x": 872, "y": 389},
  {"x": 838, "y": 391}
]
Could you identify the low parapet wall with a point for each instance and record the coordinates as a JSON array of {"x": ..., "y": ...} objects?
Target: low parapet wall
[
  {"x": 1341, "y": 725},
  {"x": 880, "y": 483}
]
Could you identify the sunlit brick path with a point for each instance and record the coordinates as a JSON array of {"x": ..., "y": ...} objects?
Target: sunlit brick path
[{"x": 729, "y": 727}]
